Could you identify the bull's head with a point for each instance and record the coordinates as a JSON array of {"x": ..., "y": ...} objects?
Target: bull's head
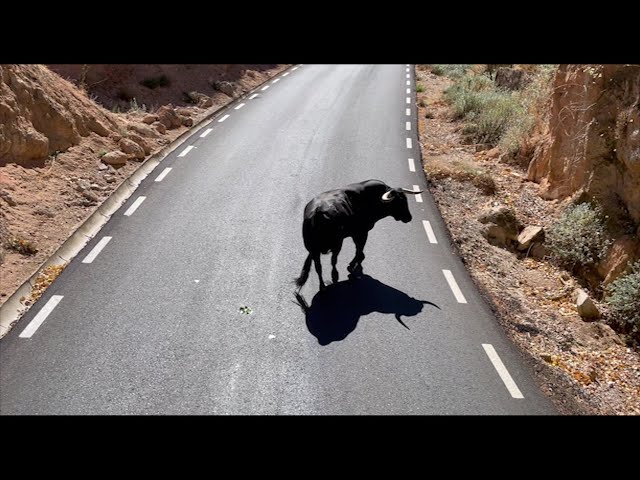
[{"x": 396, "y": 202}]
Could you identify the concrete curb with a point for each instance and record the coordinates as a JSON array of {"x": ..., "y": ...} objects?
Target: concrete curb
[{"x": 12, "y": 309}]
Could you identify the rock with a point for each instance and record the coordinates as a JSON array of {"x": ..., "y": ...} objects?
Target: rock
[
  {"x": 493, "y": 153},
  {"x": 591, "y": 138},
  {"x": 132, "y": 148},
  {"x": 102, "y": 166},
  {"x": 624, "y": 251},
  {"x": 168, "y": 116},
  {"x": 225, "y": 87},
  {"x": 115, "y": 137},
  {"x": 115, "y": 158},
  {"x": 89, "y": 195},
  {"x": 511, "y": 78},
  {"x": 142, "y": 142},
  {"x": 501, "y": 227},
  {"x": 109, "y": 178},
  {"x": 529, "y": 235},
  {"x": 200, "y": 99},
  {"x": 159, "y": 127},
  {"x": 586, "y": 308},
  {"x": 149, "y": 119},
  {"x": 184, "y": 111},
  {"x": 596, "y": 336},
  {"x": 95, "y": 186},
  {"x": 142, "y": 129},
  {"x": 6, "y": 196},
  {"x": 82, "y": 185},
  {"x": 186, "y": 121}
]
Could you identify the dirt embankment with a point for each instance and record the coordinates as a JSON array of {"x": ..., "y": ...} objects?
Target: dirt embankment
[
  {"x": 590, "y": 147},
  {"x": 584, "y": 366},
  {"x": 117, "y": 85},
  {"x": 62, "y": 153}
]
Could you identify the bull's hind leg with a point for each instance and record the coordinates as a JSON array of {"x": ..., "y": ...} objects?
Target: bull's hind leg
[
  {"x": 318, "y": 265},
  {"x": 355, "y": 267},
  {"x": 334, "y": 259}
]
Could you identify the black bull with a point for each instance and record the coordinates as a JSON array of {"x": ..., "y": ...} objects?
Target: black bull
[{"x": 352, "y": 211}]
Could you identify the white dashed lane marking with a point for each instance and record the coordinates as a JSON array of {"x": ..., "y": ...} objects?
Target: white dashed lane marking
[
  {"x": 135, "y": 206},
  {"x": 264, "y": 88},
  {"x": 253, "y": 96},
  {"x": 239, "y": 106},
  {"x": 408, "y": 126},
  {"x": 223, "y": 119},
  {"x": 286, "y": 74},
  {"x": 276, "y": 80},
  {"x": 418, "y": 195},
  {"x": 408, "y": 112},
  {"x": 429, "y": 231},
  {"x": 41, "y": 316},
  {"x": 96, "y": 250},
  {"x": 454, "y": 286},
  {"x": 412, "y": 165},
  {"x": 502, "y": 371},
  {"x": 185, "y": 151},
  {"x": 409, "y": 144},
  {"x": 164, "y": 173},
  {"x": 206, "y": 132}
]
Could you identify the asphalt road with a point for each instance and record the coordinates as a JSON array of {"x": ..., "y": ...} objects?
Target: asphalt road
[{"x": 153, "y": 325}]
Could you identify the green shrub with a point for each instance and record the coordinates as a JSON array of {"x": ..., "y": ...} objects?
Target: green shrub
[
  {"x": 487, "y": 110},
  {"x": 578, "y": 238},
  {"x": 22, "y": 246},
  {"x": 419, "y": 88},
  {"x": 450, "y": 70},
  {"x": 154, "y": 82},
  {"x": 533, "y": 99},
  {"x": 624, "y": 302}
]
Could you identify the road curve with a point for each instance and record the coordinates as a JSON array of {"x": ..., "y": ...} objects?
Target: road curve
[{"x": 150, "y": 317}]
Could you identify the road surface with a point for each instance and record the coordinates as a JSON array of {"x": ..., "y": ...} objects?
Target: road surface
[{"x": 183, "y": 303}]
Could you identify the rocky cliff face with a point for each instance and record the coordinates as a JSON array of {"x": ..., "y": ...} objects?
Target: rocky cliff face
[
  {"x": 592, "y": 136},
  {"x": 41, "y": 113}
]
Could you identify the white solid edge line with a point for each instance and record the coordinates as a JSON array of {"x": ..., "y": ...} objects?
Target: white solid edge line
[
  {"x": 454, "y": 286},
  {"x": 41, "y": 316},
  {"x": 264, "y": 88},
  {"x": 253, "y": 96},
  {"x": 408, "y": 125},
  {"x": 223, "y": 119},
  {"x": 135, "y": 206},
  {"x": 408, "y": 112},
  {"x": 96, "y": 250},
  {"x": 419, "y": 195},
  {"x": 206, "y": 132},
  {"x": 412, "y": 165},
  {"x": 276, "y": 80},
  {"x": 502, "y": 371},
  {"x": 164, "y": 173},
  {"x": 409, "y": 145},
  {"x": 239, "y": 106},
  {"x": 185, "y": 151},
  {"x": 429, "y": 231}
]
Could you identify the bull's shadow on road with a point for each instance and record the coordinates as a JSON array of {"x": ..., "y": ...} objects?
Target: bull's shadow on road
[{"x": 334, "y": 313}]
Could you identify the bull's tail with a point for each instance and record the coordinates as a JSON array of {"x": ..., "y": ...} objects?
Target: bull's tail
[{"x": 302, "y": 279}]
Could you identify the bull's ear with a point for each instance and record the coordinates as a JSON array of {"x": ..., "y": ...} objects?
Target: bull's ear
[{"x": 388, "y": 195}]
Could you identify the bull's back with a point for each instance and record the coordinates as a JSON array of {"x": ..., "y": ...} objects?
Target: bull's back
[{"x": 326, "y": 220}]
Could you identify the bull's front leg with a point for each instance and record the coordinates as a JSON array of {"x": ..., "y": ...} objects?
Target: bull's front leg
[
  {"x": 334, "y": 260},
  {"x": 356, "y": 264}
]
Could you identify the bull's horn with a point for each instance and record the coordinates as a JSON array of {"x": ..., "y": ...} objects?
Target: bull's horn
[
  {"x": 387, "y": 196},
  {"x": 415, "y": 192}
]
